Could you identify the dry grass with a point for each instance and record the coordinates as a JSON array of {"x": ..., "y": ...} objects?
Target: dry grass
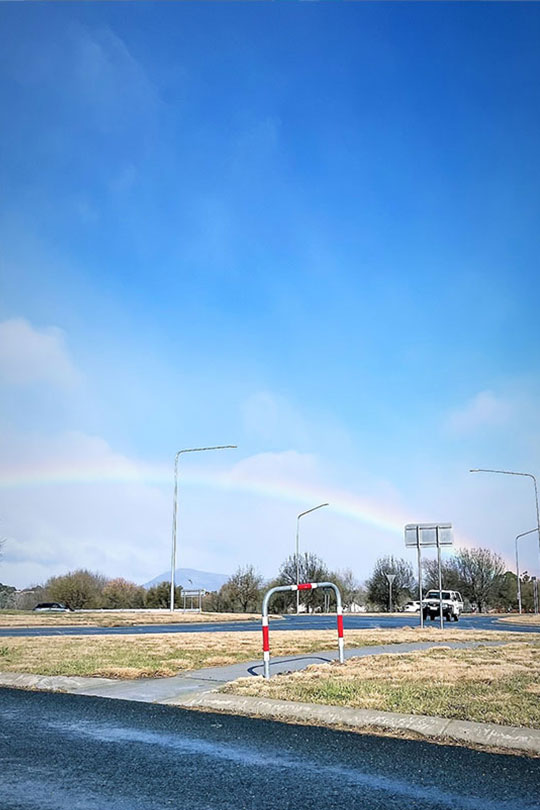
[
  {"x": 27, "y": 618},
  {"x": 155, "y": 655},
  {"x": 486, "y": 684},
  {"x": 524, "y": 618}
]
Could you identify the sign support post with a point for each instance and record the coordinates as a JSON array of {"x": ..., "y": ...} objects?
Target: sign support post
[
  {"x": 420, "y": 576},
  {"x": 390, "y": 578},
  {"x": 418, "y": 535},
  {"x": 440, "y": 576}
]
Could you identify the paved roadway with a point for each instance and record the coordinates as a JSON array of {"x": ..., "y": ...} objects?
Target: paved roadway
[
  {"x": 351, "y": 622},
  {"x": 66, "y": 752}
]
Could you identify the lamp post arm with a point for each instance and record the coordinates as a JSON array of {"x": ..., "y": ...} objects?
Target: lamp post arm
[
  {"x": 297, "y": 555},
  {"x": 524, "y": 475},
  {"x": 312, "y": 510}
]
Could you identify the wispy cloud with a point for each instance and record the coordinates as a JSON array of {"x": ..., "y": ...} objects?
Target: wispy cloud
[
  {"x": 484, "y": 410},
  {"x": 30, "y": 355},
  {"x": 54, "y": 527},
  {"x": 112, "y": 84}
]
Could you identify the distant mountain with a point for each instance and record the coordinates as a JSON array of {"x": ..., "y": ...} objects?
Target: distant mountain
[{"x": 191, "y": 579}]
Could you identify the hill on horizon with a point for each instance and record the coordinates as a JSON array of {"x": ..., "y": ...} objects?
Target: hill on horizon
[{"x": 191, "y": 579}]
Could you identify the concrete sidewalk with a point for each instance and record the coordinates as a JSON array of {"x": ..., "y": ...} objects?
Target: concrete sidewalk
[{"x": 158, "y": 690}]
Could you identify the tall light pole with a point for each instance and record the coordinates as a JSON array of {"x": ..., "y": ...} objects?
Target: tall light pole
[
  {"x": 297, "y": 550},
  {"x": 526, "y": 475},
  {"x": 523, "y": 534},
  {"x": 175, "y": 502}
]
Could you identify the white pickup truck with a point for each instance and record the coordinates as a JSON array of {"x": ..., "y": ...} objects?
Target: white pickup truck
[{"x": 452, "y": 605}]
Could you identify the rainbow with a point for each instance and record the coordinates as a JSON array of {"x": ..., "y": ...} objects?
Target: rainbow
[{"x": 120, "y": 471}]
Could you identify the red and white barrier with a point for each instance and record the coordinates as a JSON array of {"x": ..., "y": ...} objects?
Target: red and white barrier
[{"x": 304, "y": 586}]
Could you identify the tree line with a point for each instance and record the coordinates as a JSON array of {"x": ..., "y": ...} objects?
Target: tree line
[
  {"x": 88, "y": 590},
  {"x": 245, "y": 589},
  {"x": 478, "y": 574}
]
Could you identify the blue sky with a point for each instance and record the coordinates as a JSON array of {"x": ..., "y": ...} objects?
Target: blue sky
[{"x": 307, "y": 229}]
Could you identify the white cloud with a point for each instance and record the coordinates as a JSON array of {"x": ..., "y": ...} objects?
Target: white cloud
[
  {"x": 277, "y": 467},
  {"x": 484, "y": 410},
  {"x": 30, "y": 355},
  {"x": 268, "y": 417},
  {"x": 70, "y": 501},
  {"x": 487, "y": 511}
]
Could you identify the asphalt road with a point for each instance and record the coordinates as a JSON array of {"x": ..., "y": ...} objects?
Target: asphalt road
[
  {"x": 80, "y": 753},
  {"x": 351, "y": 622}
]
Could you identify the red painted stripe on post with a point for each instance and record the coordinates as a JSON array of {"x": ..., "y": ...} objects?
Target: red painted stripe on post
[
  {"x": 266, "y": 639},
  {"x": 306, "y": 586},
  {"x": 340, "y": 626}
]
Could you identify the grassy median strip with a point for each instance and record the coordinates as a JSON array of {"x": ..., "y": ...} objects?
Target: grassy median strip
[
  {"x": 162, "y": 655},
  {"x": 27, "y": 618},
  {"x": 525, "y": 618},
  {"x": 486, "y": 684}
]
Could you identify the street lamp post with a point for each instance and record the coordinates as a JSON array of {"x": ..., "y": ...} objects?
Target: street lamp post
[
  {"x": 175, "y": 504},
  {"x": 297, "y": 550},
  {"x": 526, "y": 475},
  {"x": 523, "y": 534}
]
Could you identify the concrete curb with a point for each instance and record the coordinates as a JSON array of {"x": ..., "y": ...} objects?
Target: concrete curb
[
  {"x": 464, "y": 731},
  {"x": 51, "y": 683}
]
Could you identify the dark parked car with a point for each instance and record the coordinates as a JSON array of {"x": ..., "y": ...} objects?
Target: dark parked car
[{"x": 52, "y": 607}]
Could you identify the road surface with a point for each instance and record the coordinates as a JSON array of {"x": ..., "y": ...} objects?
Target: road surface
[
  {"x": 65, "y": 752},
  {"x": 351, "y": 622}
]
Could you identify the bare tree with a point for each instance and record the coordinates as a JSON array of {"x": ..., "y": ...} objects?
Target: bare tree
[
  {"x": 350, "y": 588},
  {"x": 242, "y": 591},
  {"x": 402, "y": 586},
  {"x": 479, "y": 571},
  {"x": 119, "y": 593},
  {"x": 450, "y": 574},
  {"x": 311, "y": 569}
]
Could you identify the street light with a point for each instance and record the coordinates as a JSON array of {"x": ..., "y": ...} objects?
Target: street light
[
  {"x": 523, "y": 534},
  {"x": 526, "y": 475},
  {"x": 297, "y": 554},
  {"x": 175, "y": 500}
]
